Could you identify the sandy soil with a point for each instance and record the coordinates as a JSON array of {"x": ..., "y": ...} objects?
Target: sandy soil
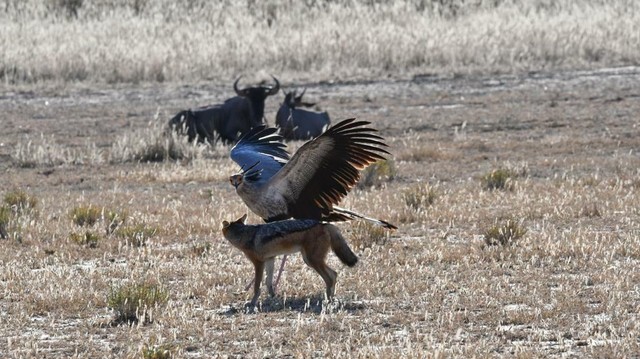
[{"x": 448, "y": 131}]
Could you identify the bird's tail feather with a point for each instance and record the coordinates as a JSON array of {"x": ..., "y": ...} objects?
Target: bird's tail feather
[{"x": 346, "y": 214}]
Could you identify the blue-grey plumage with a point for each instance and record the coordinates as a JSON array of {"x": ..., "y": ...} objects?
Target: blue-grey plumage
[{"x": 261, "y": 148}]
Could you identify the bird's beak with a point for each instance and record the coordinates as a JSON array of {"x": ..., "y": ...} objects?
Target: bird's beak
[{"x": 235, "y": 181}]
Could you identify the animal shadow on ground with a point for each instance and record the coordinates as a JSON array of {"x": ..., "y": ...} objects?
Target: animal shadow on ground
[{"x": 313, "y": 304}]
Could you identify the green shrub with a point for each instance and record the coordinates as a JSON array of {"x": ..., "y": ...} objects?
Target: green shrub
[
  {"x": 157, "y": 352},
  {"x": 87, "y": 238},
  {"x": 5, "y": 218},
  {"x": 20, "y": 202},
  {"x": 132, "y": 302},
  {"x": 85, "y": 216},
  {"x": 505, "y": 234}
]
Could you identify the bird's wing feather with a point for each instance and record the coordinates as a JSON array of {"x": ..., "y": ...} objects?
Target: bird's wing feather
[
  {"x": 261, "y": 146},
  {"x": 323, "y": 170}
]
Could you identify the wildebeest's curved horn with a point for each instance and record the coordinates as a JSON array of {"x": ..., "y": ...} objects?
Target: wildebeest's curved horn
[
  {"x": 235, "y": 86},
  {"x": 274, "y": 90},
  {"x": 299, "y": 98}
]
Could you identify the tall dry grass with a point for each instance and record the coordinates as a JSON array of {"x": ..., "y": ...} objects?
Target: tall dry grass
[{"x": 131, "y": 41}]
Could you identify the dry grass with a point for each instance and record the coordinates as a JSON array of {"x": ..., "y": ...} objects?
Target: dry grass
[
  {"x": 431, "y": 289},
  {"x": 191, "y": 41}
]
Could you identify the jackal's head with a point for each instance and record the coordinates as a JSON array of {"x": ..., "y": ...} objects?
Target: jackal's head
[
  {"x": 226, "y": 226},
  {"x": 236, "y": 180}
]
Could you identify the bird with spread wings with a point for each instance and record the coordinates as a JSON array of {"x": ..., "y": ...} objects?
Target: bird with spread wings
[{"x": 311, "y": 183}]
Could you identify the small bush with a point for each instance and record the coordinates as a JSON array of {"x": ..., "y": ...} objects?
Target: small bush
[
  {"x": 201, "y": 249},
  {"x": 132, "y": 302},
  {"x": 85, "y": 216},
  {"x": 136, "y": 235},
  {"x": 498, "y": 179},
  {"x": 366, "y": 234},
  {"x": 591, "y": 210},
  {"x": 377, "y": 173},
  {"x": 5, "y": 218},
  {"x": 69, "y": 8},
  {"x": 419, "y": 197},
  {"x": 87, "y": 238},
  {"x": 156, "y": 352},
  {"x": 505, "y": 234},
  {"x": 114, "y": 220},
  {"x": 20, "y": 202},
  {"x": 156, "y": 143}
]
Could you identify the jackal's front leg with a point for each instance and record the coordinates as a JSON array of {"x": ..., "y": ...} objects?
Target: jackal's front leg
[
  {"x": 259, "y": 268},
  {"x": 269, "y": 266}
]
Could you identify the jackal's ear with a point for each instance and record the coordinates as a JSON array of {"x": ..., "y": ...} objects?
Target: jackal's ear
[
  {"x": 242, "y": 219},
  {"x": 225, "y": 224}
]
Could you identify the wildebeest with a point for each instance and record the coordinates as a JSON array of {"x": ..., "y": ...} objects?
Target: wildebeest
[
  {"x": 299, "y": 124},
  {"x": 227, "y": 121}
]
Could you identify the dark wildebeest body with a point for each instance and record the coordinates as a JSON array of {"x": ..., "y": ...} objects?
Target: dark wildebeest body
[
  {"x": 227, "y": 121},
  {"x": 299, "y": 124}
]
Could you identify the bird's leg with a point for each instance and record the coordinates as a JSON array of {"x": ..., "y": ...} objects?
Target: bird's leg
[{"x": 284, "y": 260}]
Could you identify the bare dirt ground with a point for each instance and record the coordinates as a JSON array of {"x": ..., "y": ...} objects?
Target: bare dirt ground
[{"x": 569, "y": 288}]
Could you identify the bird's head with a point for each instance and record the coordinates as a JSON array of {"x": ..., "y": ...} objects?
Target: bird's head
[{"x": 236, "y": 180}]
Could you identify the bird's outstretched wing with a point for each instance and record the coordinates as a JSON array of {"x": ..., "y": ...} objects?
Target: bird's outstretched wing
[
  {"x": 323, "y": 170},
  {"x": 262, "y": 150}
]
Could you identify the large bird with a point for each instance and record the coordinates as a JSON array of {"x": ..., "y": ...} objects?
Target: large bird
[{"x": 310, "y": 184}]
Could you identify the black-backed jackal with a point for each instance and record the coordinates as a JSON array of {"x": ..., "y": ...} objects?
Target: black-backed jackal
[{"x": 312, "y": 238}]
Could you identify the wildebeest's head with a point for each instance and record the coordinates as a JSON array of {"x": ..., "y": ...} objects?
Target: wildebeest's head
[
  {"x": 257, "y": 93},
  {"x": 293, "y": 101}
]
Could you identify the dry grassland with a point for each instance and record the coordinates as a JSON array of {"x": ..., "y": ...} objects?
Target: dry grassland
[
  {"x": 117, "y": 41},
  {"x": 567, "y": 288},
  {"x": 516, "y": 193}
]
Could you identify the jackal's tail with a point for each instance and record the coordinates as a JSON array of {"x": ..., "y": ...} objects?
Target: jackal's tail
[{"x": 340, "y": 247}]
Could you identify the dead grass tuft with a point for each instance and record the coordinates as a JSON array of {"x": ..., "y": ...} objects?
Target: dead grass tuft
[
  {"x": 134, "y": 302},
  {"x": 136, "y": 235},
  {"x": 201, "y": 249},
  {"x": 377, "y": 174},
  {"x": 16, "y": 211},
  {"x": 590, "y": 210},
  {"x": 48, "y": 151},
  {"x": 154, "y": 144},
  {"x": 115, "y": 219},
  {"x": 502, "y": 178},
  {"x": 419, "y": 197},
  {"x": 504, "y": 234},
  {"x": 365, "y": 234}
]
